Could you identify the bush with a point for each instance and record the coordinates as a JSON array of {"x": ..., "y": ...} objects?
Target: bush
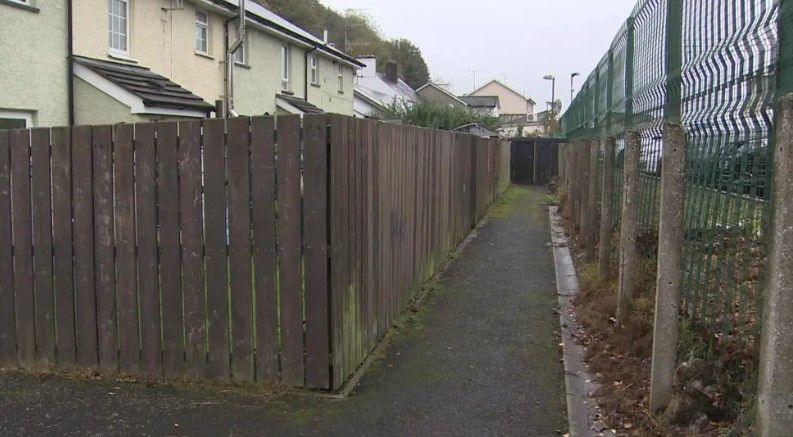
[{"x": 436, "y": 116}]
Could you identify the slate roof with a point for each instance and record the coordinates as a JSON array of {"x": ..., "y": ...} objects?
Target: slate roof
[
  {"x": 304, "y": 106},
  {"x": 481, "y": 101},
  {"x": 155, "y": 90}
]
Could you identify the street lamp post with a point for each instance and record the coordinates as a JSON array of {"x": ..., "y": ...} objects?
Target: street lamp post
[
  {"x": 572, "y": 87},
  {"x": 552, "y": 78}
]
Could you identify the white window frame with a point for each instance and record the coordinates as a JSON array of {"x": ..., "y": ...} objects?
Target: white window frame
[
  {"x": 241, "y": 55},
  {"x": 110, "y": 47},
  {"x": 18, "y": 115},
  {"x": 286, "y": 67},
  {"x": 313, "y": 63},
  {"x": 206, "y": 27},
  {"x": 340, "y": 77}
]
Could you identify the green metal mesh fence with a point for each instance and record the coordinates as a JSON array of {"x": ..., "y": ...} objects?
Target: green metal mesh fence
[{"x": 712, "y": 66}]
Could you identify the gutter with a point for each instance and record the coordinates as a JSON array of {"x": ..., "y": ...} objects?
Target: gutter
[{"x": 70, "y": 61}]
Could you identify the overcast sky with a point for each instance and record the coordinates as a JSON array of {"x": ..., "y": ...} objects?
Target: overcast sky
[{"x": 518, "y": 41}]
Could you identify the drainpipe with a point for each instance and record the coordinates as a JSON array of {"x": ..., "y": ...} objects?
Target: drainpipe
[
  {"x": 230, "y": 51},
  {"x": 70, "y": 62}
]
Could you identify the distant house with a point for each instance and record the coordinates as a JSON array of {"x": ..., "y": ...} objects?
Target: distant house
[
  {"x": 514, "y": 106},
  {"x": 488, "y": 106},
  {"x": 376, "y": 91},
  {"x": 434, "y": 93}
]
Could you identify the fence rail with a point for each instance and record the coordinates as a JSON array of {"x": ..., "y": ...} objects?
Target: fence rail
[{"x": 248, "y": 249}]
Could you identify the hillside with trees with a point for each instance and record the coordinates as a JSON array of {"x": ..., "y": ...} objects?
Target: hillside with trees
[{"x": 356, "y": 34}]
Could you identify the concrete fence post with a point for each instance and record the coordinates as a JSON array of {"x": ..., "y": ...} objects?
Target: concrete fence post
[
  {"x": 583, "y": 191},
  {"x": 592, "y": 201},
  {"x": 775, "y": 382},
  {"x": 606, "y": 208},
  {"x": 629, "y": 225},
  {"x": 671, "y": 230}
]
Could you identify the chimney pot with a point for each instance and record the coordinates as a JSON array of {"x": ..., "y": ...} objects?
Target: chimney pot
[{"x": 392, "y": 72}]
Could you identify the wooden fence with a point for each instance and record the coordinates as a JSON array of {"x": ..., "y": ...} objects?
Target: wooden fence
[{"x": 227, "y": 249}]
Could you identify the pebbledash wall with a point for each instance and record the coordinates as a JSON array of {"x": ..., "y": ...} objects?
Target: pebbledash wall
[
  {"x": 34, "y": 86},
  {"x": 159, "y": 249}
]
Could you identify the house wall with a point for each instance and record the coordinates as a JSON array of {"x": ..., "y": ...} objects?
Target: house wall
[
  {"x": 92, "y": 106},
  {"x": 511, "y": 103},
  {"x": 33, "y": 61},
  {"x": 161, "y": 40},
  {"x": 257, "y": 82},
  {"x": 433, "y": 95},
  {"x": 326, "y": 95}
]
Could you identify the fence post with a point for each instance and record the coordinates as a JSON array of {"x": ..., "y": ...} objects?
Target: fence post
[
  {"x": 606, "y": 208},
  {"x": 583, "y": 192},
  {"x": 592, "y": 203},
  {"x": 775, "y": 382},
  {"x": 670, "y": 266},
  {"x": 629, "y": 225}
]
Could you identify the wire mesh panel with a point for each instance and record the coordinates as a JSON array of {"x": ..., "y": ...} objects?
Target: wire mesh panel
[{"x": 712, "y": 66}]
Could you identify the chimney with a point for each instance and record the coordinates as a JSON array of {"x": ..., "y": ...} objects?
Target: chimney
[
  {"x": 392, "y": 72},
  {"x": 325, "y": 36}
]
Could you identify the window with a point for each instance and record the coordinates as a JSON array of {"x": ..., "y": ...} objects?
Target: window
[
  {"x": 241, "y": 55},
  {"x": 341, "y": 77},
  {"x": 118, "y": 24},
  {"x": 202, "y": 32},
  {"x": 314, "y": 65},
  {"x": 286, "y": 59},
  {"x": 15, "y": 120}
]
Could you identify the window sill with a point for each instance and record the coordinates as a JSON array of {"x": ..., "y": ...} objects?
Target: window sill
[
  {"x": 22, "y": 6},
  {"x": 287, "y": 92},
  {"x": 121, "y": 57},
  {"x": 316, "y": 85},
  {"x": 204, "y": 55},
  {"x": 341, "y": 92},
  {"x": 243, "y": 65}
]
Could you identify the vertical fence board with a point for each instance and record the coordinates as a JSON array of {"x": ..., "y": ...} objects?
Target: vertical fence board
[
  {"x": 8, "y": 341},
  {"x": 316, "y": 257},
  {"x": 23, "y": 252},
  {"x": 62, "y": 247},
  {"x": 126, "y": 278},
  {"x": 147, "y": 265},
  {"x": 264, "y": 255},
  {"x": 238, "y": 140},
  {"x": 103, "y": 249},
  {"x": 192, "y": 250},
  {"x": 289, "y": 249},
  {"x": 41, "y": 209},
  {"x": 218, "y": 366},
  {"x": 169, "y": 253},
  {"x": 337, "y": 214},
  {"x": 82, "y": 208}
]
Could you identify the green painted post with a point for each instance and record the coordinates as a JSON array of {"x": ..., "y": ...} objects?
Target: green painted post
[
  {"x": 775, "y": 381},
  {"x": 670, "y": 223}
]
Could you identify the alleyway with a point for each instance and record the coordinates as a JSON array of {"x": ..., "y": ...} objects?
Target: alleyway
[{"x": 479, "y": 358}]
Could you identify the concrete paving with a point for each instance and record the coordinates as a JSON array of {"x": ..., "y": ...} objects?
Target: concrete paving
[{"x": 480, "y": 357}]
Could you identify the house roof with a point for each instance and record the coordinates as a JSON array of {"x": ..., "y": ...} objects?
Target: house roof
[
  {"x": 300, "y": 104},
  {"x": 441, "y": 89},
  {"x": 481, "y": 101},
  {"x": 154, "y": 90},
  {"x": 270, "y": 19},
  {"x": 502, "y": 84}
]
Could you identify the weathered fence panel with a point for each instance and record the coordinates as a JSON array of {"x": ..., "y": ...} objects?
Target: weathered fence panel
[{"x": 248, "y": 250}]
